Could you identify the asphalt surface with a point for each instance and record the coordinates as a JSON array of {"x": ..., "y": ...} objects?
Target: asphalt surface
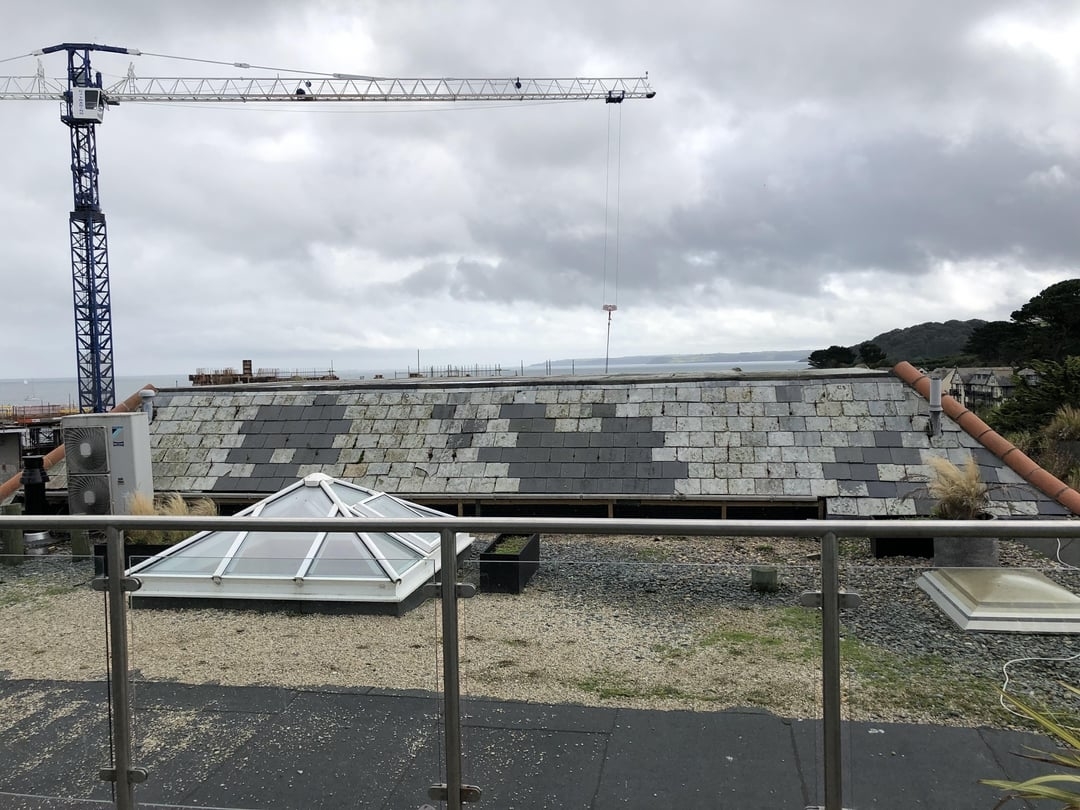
[{"x": 256, "y": 747}]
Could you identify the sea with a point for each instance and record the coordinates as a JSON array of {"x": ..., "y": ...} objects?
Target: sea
[{"x": 35, "y": 391}]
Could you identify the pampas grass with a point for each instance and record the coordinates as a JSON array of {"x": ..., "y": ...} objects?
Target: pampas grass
[
  {"x": 1065, "y": 425},
  {"x": 171, "y": 504},
  {"x": 959, "y": 491}
]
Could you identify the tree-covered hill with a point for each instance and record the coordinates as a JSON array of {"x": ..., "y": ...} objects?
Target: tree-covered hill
[{"x": 927, "y": 340}]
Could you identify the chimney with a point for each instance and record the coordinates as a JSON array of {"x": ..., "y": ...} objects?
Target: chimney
[
  {"x": 934, "y": 427},
  {"x": 34, "y": 501},
  {"x": 148, "y": 395}
]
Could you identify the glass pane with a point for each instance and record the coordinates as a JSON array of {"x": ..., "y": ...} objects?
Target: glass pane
[
  {"x": 200, "y": 558},
  {"x": 390, "y": 507},
  {"x": 401, "y": 559},
  {"x": 343, "y": 555},
  {"x": 273, "y": 708},
  {"x": 385, "y": 506},
  {"x": 301, "y": 502},
  {"x": 905, "y": 658},
  {"x": 53, "y": 709},
  {"x": 270, "y": 554},
  {"x": 349, "y": 495},
  {"x": 660, "y": 645}
]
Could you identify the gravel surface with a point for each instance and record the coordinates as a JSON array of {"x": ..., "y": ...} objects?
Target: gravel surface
[{"x": 668, "y": 623}]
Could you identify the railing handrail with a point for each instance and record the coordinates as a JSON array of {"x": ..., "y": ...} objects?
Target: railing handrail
[{"x": 900, "y": 528}]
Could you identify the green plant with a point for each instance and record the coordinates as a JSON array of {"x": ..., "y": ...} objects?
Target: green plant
[
  {"x": 510, "y": 544},
  {"x": 1065, "y": 424},
  {"x": 1057, "y": 787},
  {"x": 960, "y": 492},
  {"x": 171, "y": 504}
]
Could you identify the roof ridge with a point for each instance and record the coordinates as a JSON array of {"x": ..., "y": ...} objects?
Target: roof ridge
[{"x": 1018, "y": 461}]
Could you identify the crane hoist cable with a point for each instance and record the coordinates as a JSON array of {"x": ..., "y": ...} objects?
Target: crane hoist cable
[{"x": 611, "y": 307}]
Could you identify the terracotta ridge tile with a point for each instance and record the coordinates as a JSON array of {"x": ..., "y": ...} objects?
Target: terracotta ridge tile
[{"x": 970, "y": 422}]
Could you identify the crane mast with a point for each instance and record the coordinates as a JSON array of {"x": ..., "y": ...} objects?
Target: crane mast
[
  {"x": 83, "y": 103},
  {"x": 83, "y": 107}
]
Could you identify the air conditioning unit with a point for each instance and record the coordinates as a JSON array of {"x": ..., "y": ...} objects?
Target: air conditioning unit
[{"x": 108, "y": 461}]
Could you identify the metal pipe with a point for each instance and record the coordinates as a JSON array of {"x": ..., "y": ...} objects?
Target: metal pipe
[
  {"x": 118, "y": 654},
  {"x": 451, "y": 690},
  {"x": 830, "y": 671},
  {"x": 934, "y": 428}
]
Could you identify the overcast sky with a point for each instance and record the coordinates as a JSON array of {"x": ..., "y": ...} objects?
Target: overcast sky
[{"x": 807, "y": 174}]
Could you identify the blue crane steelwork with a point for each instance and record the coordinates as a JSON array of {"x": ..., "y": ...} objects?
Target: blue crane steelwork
[
  {"x": 83, "y": 108},
  {"x": 84, "y": 100}
]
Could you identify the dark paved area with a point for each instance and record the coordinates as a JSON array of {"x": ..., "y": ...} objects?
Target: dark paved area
[{"x": 257, "y": 747}]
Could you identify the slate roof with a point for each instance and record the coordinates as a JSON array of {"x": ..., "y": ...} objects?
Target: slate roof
[{"x": 856, "y": 439}]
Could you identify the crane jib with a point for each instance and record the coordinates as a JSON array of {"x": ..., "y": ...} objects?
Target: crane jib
[
  {"x": 276, "y": 89},
  {"x": 84, "y": 100}
]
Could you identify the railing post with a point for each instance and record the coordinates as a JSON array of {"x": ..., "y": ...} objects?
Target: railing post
[
  {"x": 12, "y": 545},
  {"x": 451, "y": 690},
  {"x": 830, "y": 671},
  {"x": 118, "y": 655}
]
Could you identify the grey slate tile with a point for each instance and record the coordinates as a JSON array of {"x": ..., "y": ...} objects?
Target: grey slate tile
[
  {"x": 263, "y": 471},
  {"x": 789, "y": 393},
  {"x": 888, "y": 438},
  {"x": 245, "y": 455},
  {"x": 877, "y": 455},
  {"x": 863, "y": 472},
  {"x": 444, "y": 411},
  {"x": 905, "y": 455},
  {"x": 836, "y": 471},
  {"x": 852, "y": 454},
  {"x": 881, "y": 489},
  {"x": 529, "y": 439},
  {"x": 552, "y": 439}
]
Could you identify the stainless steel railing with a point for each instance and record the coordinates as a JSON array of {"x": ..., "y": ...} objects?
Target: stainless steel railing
[{"x": 126, "y": 776}]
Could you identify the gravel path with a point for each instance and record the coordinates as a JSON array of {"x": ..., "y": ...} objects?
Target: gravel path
[{"x": 646, "y": 622}]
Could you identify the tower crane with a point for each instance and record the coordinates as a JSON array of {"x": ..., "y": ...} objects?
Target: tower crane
[{"x": 84, "y": 99}]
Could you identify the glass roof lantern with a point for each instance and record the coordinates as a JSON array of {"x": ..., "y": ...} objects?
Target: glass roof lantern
[{"x": 346, "y": 566}]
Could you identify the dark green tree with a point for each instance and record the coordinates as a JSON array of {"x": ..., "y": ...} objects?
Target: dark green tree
[
  {"x": 999, "y": 343},
  {"x": 832, "y": 357},
  {"x": 1051, "y": 321},
  {"x": 871, "y": 354},
  {"x": 1033, "y": 404}
]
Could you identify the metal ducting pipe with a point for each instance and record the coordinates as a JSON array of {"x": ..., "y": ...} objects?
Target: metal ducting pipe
[
  {"x": 33, "y": 481},
  {"x": 147, "y": 395},
  {"x": 934, "y": 428}
]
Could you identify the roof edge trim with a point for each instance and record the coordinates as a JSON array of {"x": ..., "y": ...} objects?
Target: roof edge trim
[{"x": 1018, "y": 461}]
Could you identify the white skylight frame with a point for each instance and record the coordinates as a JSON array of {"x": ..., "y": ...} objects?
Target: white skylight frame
[{"x": 392, "y": 579}]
